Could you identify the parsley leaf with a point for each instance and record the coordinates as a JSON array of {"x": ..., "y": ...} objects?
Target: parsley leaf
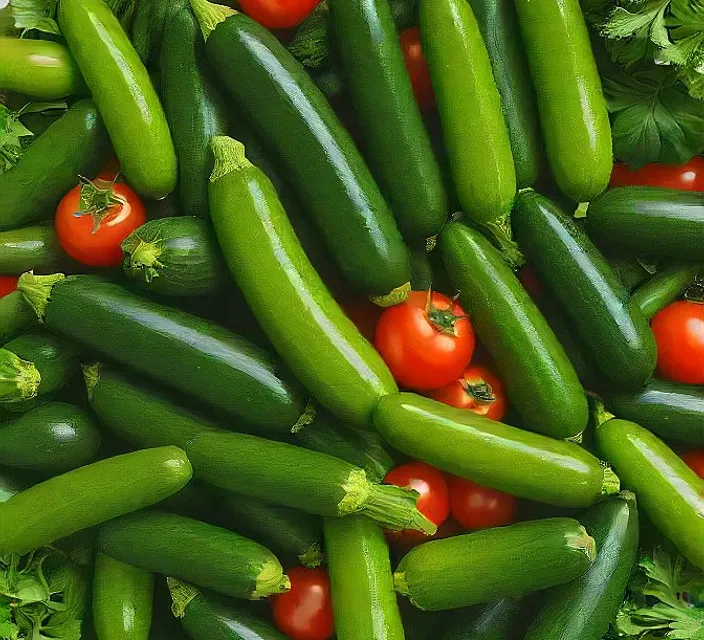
[
  {"x": 13, "y": 138},
  {"x": 39, "y": 15}
]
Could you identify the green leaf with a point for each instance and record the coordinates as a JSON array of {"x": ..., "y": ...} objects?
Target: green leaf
[
  {"x": 13, "y": 135},
  {"x": 643, "y": 25},
  {"x": 39, "y": 15}
]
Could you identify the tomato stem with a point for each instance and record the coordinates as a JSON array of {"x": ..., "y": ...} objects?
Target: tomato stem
[
  {"x": 97, "y": 202},
  {"x": 480, "y": 391},
  {"x": 695, "y": 293}
]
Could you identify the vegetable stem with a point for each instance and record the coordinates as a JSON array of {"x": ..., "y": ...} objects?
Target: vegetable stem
[
  {"x": 583, "y": 542},
  {"x": 19, "y": 379},
  {"x": 91, "y": 376},
  {"x": 270, "y": 581},
  {"x": 210, "y": 15},
  {"x": 37, "y": 290},
  {"x": 142, "y": 257},
  {"x": 182, "y": 594},
  {"x": 229, "y": 157}
]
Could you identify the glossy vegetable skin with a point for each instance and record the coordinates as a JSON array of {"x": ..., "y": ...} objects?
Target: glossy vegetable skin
[
  {"x": 30, "y": 249},
  {"x": 494, "y": 621},
  {"x": 16, "y": 316},
  {"x": 663, "y": 288},
  {"x": 679, "y": 334}
]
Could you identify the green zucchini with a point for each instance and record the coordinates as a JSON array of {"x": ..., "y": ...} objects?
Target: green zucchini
[
  {"x": 614, "y": 332},
  {"x": 298, "y": 125},
  {"x": 669, "y": 492},
  {"x": 49, "y": 439},
  {"x": 651, "y": 221},
  {"x": 494, "y": 621},
  {"x": 31, "y": 249},
  {"x": 663, "y": 288},
  {"x": 473, "y": 126},
  {"x": 16, "y": 316},
  {"x": 494, "y": 563},
  {"x": 493, "y": 454},
  {"x": 13, "y": 481},
  {"x": 421, "y": 269},
  {"x": 671, "y": 410},
  {"x": 76, "y": 144},
  {"x": 304, "y": 323},
  {"x": 320, "y": 484},
  {"x": 123, "y": 597},
  {"x": 175, "y": 257},
  {"x": 90, "y": 495},
  {"x": 573, "y": 114},
  {"x": 584, "y": 608},
  {"x": 193, "y": 122},
  {"x": 192, "y": 355},
  {"x": 201, "y": 553},
  {"x": 539, "y": 377},
  {"x": 151, "y": 18}
]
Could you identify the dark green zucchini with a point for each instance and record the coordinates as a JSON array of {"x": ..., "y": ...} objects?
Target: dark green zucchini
[
  {"x": 149, "y": 27},
  {"x": 663, "y": 288},
  {"x": 493, "y": 621},
  {"x": 31, "y": 249},
  {"x": 16, "y": 316},
  {"x": 421, "y": 269},
  {"x": 614, "y": 332},
  {"x": 175, "y": 257},
  {"x": 651, "y": 221}
]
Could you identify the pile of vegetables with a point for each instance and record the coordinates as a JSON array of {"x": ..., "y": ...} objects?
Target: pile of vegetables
[{"x": 365, "y": 319}]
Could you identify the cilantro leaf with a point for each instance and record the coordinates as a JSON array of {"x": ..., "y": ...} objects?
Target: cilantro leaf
[{"x": 39, "y": 15}]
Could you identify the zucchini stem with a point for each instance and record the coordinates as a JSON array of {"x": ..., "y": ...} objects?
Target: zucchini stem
[
  {"x": 611, "y": 483},
  {"x": 182, "y": 594},
  {"x": 499, "y": 232},
  {"x": 142, "y": 258},
  {"x": 229, "y": 157},
  {"x": 210, "y": 15},
  {"x": 91, "y": 376},
  {"x": 19, "y": 379},
  {"x": 37, "y": 290},
  {"x": 306, "y": 418},
  {"x": 583, "y": 542},
  {"x": 271, "y": 580},
  {"x": 313, "y": 556},
  {"x": 394, "y": 297}
]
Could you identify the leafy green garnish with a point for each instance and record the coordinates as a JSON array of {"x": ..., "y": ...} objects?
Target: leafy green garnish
[
  {"x": 13, "y": 138},
  {"x": 38, "y": 15}
]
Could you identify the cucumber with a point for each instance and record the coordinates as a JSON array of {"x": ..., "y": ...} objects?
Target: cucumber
[
  {"x": 573, "y": 114},
  {"x": 614, "y": 332},
  {"x": 31, "y": 249},
  {"x": 362, "y": 584},
  {"x": 306, "y": 326},
  {"x": 584, "y": 608},
  {"x": 663, "y": 288},
  {"x": 539, "y": 377},
  {"x": 13, "y": 481},
  {"x": 193, "y": 122},
  {"x": 669, "y": 492},
  {"x": 317, "y": 154},
  {"x": 122, "y": 600},
  {"x": 493, "y": 454},
  {"x": 175, "y": 257},
  {"x": 473, "y": 126},
  {"x": 198, "y": 358},
  {"x": 493, "y": 621},
  {"x": 397, "y": 143},
  {"x": 16, "y": 316},
  {"x": 651, "y": 221},
  {"x": 76, "y": 144},
  {"x": 494, "y": 563},
  {"x": 90, "y": 495},
  {"x": 49, "y": 439},
  {"x": 191, "y": 550},
  {"x": 322, "y": 485},
  {"x": 671, "y": 410}
]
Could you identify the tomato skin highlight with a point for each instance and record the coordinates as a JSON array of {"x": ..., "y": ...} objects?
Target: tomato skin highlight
[
  {"x": 305, "y": 612},
  {"x": 278, "y": 14},
  {"x": 695, "y": 461},
  {"x": 417, "y": 68},
  {"x": 685, "y": 177},
  {"x": 476, "y": 507},
  {"x": 419, "y": 353},
  {"x": 7, "y": 284},
  {"x": 679, "y": 334}
]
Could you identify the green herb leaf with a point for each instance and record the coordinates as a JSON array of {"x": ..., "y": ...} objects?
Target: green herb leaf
[
  {"x": 39, "y": 15},
  {"x": 13, "y": 135}
]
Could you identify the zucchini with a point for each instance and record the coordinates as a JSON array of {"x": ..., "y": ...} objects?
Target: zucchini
[
  {"x": 122, "y": 600},
  {"x": 363, "y": 598},
  {"x": 195, "y": 551},
  {"x": 317, "y": 154},
  {"x": 539, "y": 377},
  {"x": 663, "y": 288},
  {"x": 494, "y": 563},
  {"x": 651, "y": 221},
  {"x": 90, "y": 495},
  {"x": 31, "y": 249},
  {"x": 669, "y": 492},
  {"x": 151, "y": 18},
  {"x": 493, "y": 621},
  {"x": 671, "y": 410},
  {"x": 322, "y": 485},
  {"x": 421, "y": 269},
  {"x": 304, "y": 323},
  {"x": 13, "y": 481},
  {"x": 209, "y": 363},
  {"x": 584, "y": 608},
  {"x": 49, "y": 439},
  {"x": 76, "y": 144},
  {"x": 175, "y": 257},
  {"x": 16, "y": 316},
  {"x": 493, "y": 454},
  {"x": 614, "y": 332}
]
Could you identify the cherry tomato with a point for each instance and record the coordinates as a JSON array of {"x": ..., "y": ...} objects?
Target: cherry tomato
[
  {"x": 364, "y": 313},
  {"x": 433, "y": 499},
  {"x": 686, "y": 177},
  {"x": 530, "y": 281},
  {"x": 679, "y": 333},
  {"x": 417, "y": 68},
  {"x": 305, "y": 612},
  {"x": 7, "y": 284},
  {"x": 426, "y": 341},
  {"x": 94, "y": 218},
  {"x": 478, "y": 390},
  {"x": 477, "y": 507},
  {"x": 278, "y": 14}
]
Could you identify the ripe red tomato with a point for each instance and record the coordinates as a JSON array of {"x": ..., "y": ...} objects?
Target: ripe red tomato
[
  {"x": 426, "y": 341},
  {"x": 94, "y": 218},
  {"x": 477, "y": 507},
  {"x": 364, "y": 313},
  {"x": 687, "y": 177},
  {"x": 278, "y": 14},
  {"x": 478, "y": 390},
  {"x": 679, "y": 333},
  {"x": 305, "y": 612},
  {"x": 417, "y": 68},
  {"x": 695, "y": 461},
  {"x": 433, "y": 499},
  {"x": 7, "y": 284}
]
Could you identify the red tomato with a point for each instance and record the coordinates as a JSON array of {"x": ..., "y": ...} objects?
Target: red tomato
[
  {"x": 94, "y": 218},
  {"x": 433, "y": 499},
  {"x": 687, "y": 177},
  {"x": 7, "y": 284},
  {"x": 417, "y": 68},
  {"x": 426, "y": 341},
  {"x": 278, "y": 14},
  {"x": 679, "y": 333},
  {"x": 478, "y": 390},
  {"x": 477, "y": 507},
  {"x": 305, "y": 612},
  {"x": 364, "y": 313},
  {"x": 530, "y": 281},
  {"x": 695, "y": 461}
]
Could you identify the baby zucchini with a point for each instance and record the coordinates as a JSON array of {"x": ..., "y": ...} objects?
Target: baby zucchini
[
  {"x": 663, "y": 288},
  {"x": 31, "y": 249}
]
